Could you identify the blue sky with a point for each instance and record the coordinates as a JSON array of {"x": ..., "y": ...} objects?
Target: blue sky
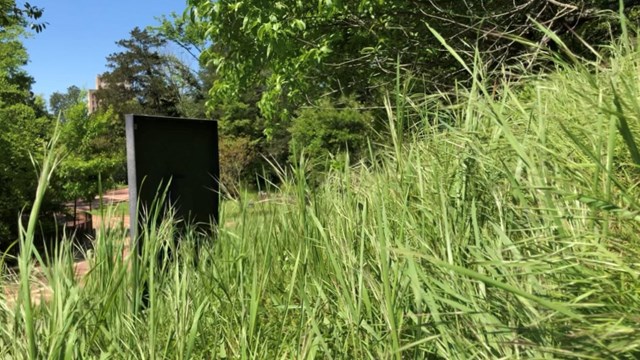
[{"x": 80, "y": 35}]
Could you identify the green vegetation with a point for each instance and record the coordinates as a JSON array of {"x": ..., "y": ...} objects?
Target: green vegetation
[
  {"x": 491, "y": 214},
  {"x": 273, "y": 62},
  {"x": 113, "y": 210},
  {"x": 61, "y": 102},
  {"x": 24, "y": 127},
  {"x": 297, "y": 52},
  {"x": 330, "y": 129},
  {"x": 92, "y": 153},
  {"x": 507, "y": 229},
  {"x": 143, "y": 79},
  {"x": 11, "y": 14}
]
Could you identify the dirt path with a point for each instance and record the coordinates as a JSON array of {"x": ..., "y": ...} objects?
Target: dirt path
[
  {"x": 83, "y": 207},
  {"x": 40, "y": 291}
]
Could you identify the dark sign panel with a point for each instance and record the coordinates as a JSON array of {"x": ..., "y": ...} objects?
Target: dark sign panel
[{"x": 180, "y": 152}]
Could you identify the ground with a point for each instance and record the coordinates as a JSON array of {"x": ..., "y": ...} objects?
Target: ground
[{"x": 114, "y": 205}]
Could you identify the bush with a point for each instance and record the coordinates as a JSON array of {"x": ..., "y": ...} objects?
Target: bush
[
  {"x": 331, "y": 128},
  {"x": 236, "y": 153}
]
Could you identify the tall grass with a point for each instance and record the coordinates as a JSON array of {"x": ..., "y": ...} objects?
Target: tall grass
[{"x": 507, "y": 229}]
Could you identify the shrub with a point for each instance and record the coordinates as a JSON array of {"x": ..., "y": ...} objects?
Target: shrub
[
  {"x": 236, "y": 153},
  {"x": 331, "y": 128}
]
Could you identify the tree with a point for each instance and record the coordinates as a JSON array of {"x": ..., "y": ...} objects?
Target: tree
[
  {"x": 90, "y": 152},
  {"x": 24, "y": 128},
  {"x": 13, "y": 15},
  {"x": 58, "y": 102},
  {"x": 242, "y": 119},
  {"x": 179, "y": 30},
  {"x": 303, "y": 50},
  {"x": 330, "y": 129},
  {"x": 142, "y": 79},
  {"x": 236, "y": 154},
  {"x": 241, "y": 124},
  {"x": 21, "y": 133}
]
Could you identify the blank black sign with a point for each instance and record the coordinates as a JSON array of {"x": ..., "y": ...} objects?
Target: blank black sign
[{"x": 182, "y": 152}]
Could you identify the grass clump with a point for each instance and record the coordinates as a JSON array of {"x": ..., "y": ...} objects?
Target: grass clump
[{"x": 507, "y": 231}]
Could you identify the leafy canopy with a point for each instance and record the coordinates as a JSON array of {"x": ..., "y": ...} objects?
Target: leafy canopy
[{"x": 299, "y": 51}]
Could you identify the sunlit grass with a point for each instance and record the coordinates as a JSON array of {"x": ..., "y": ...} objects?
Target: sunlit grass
[
  {"x": 510, "y": 230},
  {"x": 115, "y": 209}
]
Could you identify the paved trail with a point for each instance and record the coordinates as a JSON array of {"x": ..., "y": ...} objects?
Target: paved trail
[{"x": 40, "y": 291}]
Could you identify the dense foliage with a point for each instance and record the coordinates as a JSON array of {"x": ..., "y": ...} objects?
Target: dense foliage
[
  {"x": 24, "y": 126},
  {"x": 288, "y": 56},
  {"x": 510, "y": 234},
  {"x": 92, "y": 153},
  {"x": 299, "y": 51},
  {"x": 328, "y": 129}
]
